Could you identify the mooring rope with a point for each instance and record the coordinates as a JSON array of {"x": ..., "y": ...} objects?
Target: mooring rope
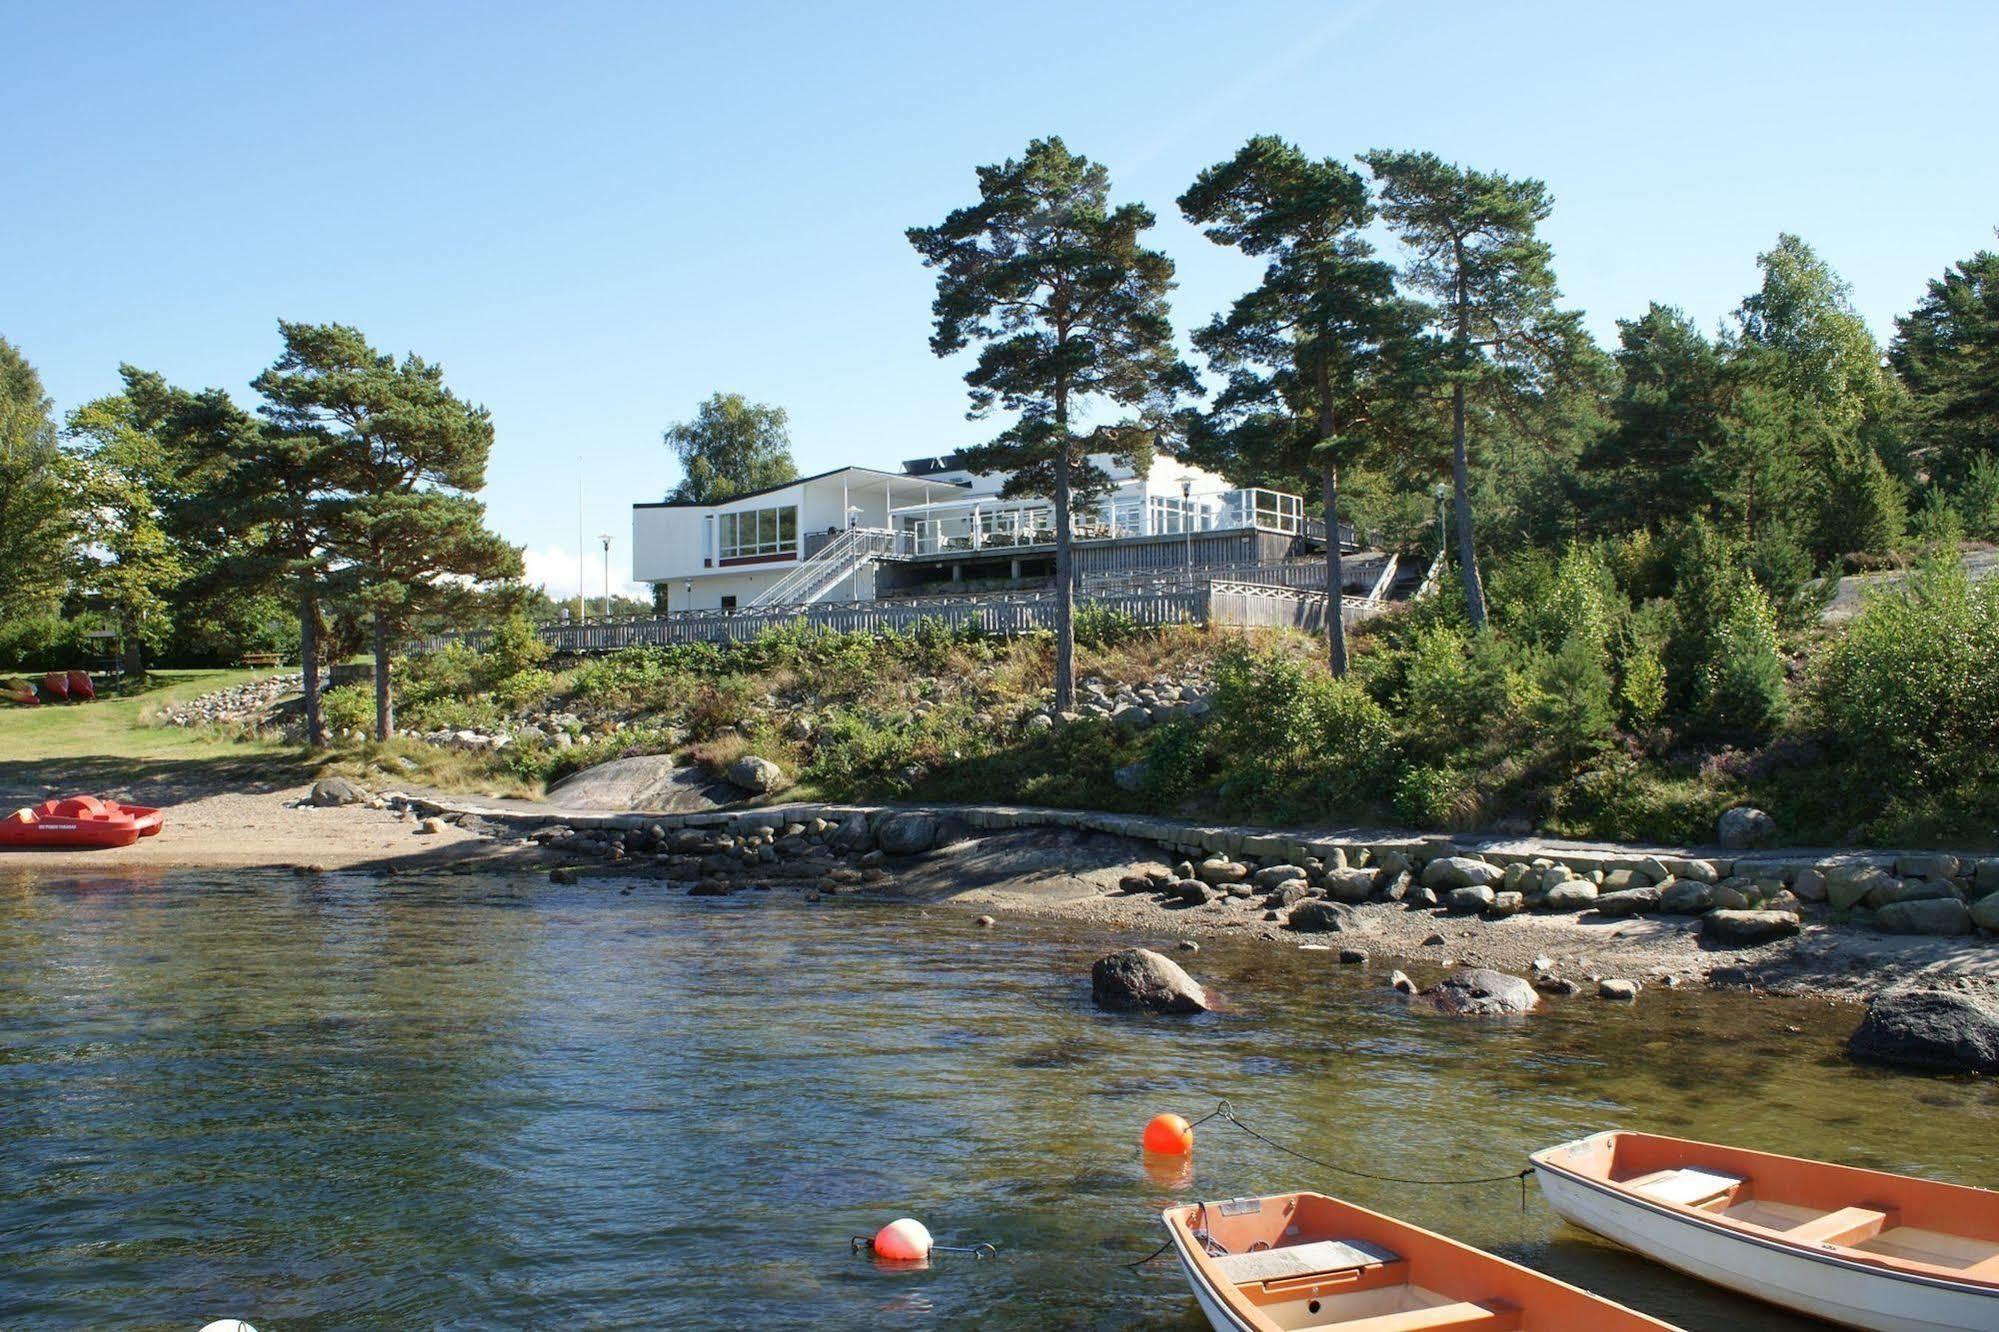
[{"x": 1226, "y": 1112}]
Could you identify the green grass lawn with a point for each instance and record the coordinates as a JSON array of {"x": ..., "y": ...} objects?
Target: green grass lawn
[{"x": 123, "y": 727}]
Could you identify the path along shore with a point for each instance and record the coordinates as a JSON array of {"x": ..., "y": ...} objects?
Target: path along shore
[{"x": 1427, "y": 903}]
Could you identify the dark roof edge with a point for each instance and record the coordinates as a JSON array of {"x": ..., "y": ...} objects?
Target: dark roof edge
[{"x": 786, "y": 485}]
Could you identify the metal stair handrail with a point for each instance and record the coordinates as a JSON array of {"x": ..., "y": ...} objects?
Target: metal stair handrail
[{"x": 818, "y": 575}]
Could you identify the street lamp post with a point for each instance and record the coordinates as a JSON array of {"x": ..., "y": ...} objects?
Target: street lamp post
[
  {"x": 605, "y": 537},
  {"x": 1187, "y": 522},
  {"x": 1442, "y": 493}
]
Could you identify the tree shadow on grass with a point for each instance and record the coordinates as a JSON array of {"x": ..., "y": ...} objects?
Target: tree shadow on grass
[{"x": 149, "y": 781}]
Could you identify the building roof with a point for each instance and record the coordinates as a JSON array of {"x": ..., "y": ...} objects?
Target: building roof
[{"x": 795, "y": 481}]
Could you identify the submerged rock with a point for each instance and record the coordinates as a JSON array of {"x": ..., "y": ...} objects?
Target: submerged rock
[
  {"x": 1482, "y": 992},
  {"x": 1138, "y": 979},
  {"x": 1929, "y": 1029}
]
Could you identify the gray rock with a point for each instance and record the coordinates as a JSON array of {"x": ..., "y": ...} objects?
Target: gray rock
[
  {"x": 1460, "y": 872},
  {"x": 1630, "y": 902},
  {"x": 1655, "y": 869},
  {"x": 1469, "y": 901},
  {"x": 1350, "y": 885},
  {"x": 1138, "y": 979},
  {"x": 1571, "y": 895},
  {"x": 1319, "y": 915},
  {"x": 755, "y": 774},
  {"x": 1909, "y": 890},
  {"x": 1219, "y": 870},
  {"x": 1131, "y": 717},
  {"x": 1132, "y": 776},
  {"x": 1506, "y": 902},
  {"x": 907, "y": 834},
  {"x": 1419, "y": 898},
  {"x": 1394, "y": 887},
  {"x": 1559, "y": 985},
  {"x": 1480, "y": 991},
  {"x": 1271, "y": 875},
  {"x": 1703, "y": 870},
  {"x": 1191, "y": 891},
  {"x": 1624, "y": 880},
  {"x": 1728, "y": 897},
  {"x": 565, "y": 874},
  {"x": 1744, "y": 827},
  {"x": 1556, "y": 875},
  {"x": 1288, "y": 894},
  {"x": 1622, "y": 991},
  {"x": 1400, "y": 983},
  {"x": 1985, "y": 912},
  {"x": 1929, "y": 1029},
  {"x": 333, "y": 792},
  {"x": 1846, "y": 886},
  {"x": 1352, "y": 957},
  {"x": 1686, "y": 897},
  {"x": 1985, "y": 879},
  {"x": 1930, "y": 915},
  {"x": 1931, "y": 866},
  {"x": 1739, "y": 928},
  {"x": 1810, "y": 885}
]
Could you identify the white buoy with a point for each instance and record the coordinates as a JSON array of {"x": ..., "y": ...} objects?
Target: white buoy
[{"x": 228, "y": 1325}]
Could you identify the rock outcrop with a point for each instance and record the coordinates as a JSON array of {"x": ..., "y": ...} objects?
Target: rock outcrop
[
  {"x": 1481, "y": 992},
  {"x": 1929, "y": 1029}
]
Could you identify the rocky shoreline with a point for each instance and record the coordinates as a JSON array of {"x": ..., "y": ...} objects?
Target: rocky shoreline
[{"x": 1599, "y": 921}]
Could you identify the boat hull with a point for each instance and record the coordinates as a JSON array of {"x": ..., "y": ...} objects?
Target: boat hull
[
  {"x": 1218, "y": 1316},
  {"x": 1821, "y": 1285}
]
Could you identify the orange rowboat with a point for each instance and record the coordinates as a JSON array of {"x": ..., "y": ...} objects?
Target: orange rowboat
[
  {"x": 1297, "y": 1261},
  {"x": 1860, "y": 1247},
  {"x": 78, "y": 823}
]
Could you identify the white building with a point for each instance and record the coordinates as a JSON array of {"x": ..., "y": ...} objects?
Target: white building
[{"x": 857, "y": 533}]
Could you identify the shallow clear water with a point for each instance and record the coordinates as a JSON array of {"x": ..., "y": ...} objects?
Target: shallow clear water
[{"x": 339, "y": 1100}]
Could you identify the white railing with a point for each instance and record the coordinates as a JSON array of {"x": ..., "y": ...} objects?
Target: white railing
[
  {"x": 1431, "y": 578},
  {"x": 1379, "y": 592},
  {"x": 990, "y": 523},
  {"x": 838, "y": 559}
]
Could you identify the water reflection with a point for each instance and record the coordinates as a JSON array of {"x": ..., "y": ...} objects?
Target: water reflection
[{"x": 331, "y": 1101}]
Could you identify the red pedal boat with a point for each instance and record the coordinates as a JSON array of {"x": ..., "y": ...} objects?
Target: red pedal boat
[{"x": 79, "y": 823}]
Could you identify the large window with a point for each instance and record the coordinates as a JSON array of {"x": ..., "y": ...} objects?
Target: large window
[{"x": 759, "y": 532}]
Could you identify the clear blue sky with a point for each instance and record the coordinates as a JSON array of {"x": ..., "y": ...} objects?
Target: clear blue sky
[{"x": 594, "y": 215}]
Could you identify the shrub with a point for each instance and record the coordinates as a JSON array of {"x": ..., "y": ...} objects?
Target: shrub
[
  {"x": 348, "y": 707},
  {"x": 1621, "y": 800},
  {"x": 1289, "y": 733},
  {"x": 1863, "y": 508},
  {"x": 1641, "y": 686},
  {"x": 1436, "y": 796},
  {"x": 1105, "y": 626},
  {"x": 1573, "y": 704},
  {"x": 1178, "y": 759},
  {"x": 1978, "y": 498},
  {"x": 1454, "y": 685},
  {"x": 1741, "y": 682},
  {"x": 1909, "y": 695}
]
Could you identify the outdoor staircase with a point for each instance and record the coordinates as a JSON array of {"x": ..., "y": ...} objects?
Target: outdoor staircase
[{"x": 826, "y": 568}]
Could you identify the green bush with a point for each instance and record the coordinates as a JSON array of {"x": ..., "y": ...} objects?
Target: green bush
[
  {"x": 1741, "y": 682},
  {"x": 1620, "y": 799},
  {"x": 1436, "y": 796},
  {"x": 1456, "y": 686},
  {"x": 1573, "y": 705},
  {"x": 1977, "y": 498},
  {"x": 1291, "y": 736},
  {"x": 1105, "y": 626},
  {"x": 348, "y": 707},
  {"x": 1908, "y": 696}
]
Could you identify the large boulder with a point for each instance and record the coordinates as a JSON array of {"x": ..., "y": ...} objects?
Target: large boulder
[
  {"x": 1570, "y": 895},
  {"x": 1481, "y": 992},
  {"x": 333, "y": 792},
  {"x": 755, "y": 774},
  {"x": 1451, "y": 872},
  {"x": 655, "y": 783},
  {"x": 1630, "y": 902},
  {"x": 1138, "y": 979},
  {"x": 907, "y": 834},
  {"x": 1985, "y": 912},
  {"x": 1929, "y": 1029},
  {"x": 1686, "y": 897},
  {"x": 1350, "y": 885},
  {"x": 1847, "y": 886},
  {"x": 1909, "y": 890},
  {"x": 1320, "y": 915},
  {"x": 1928, "y": 915},
  {"x": 1469, "y": 901},
  {"x": 1744, "y": 827},
  {"x": 1740, "y": 928}
]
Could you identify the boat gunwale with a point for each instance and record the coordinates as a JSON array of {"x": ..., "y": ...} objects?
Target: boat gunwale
[
  {"x": 1882, "y": 1265},
  {"x": 1201, "y": 1273}
]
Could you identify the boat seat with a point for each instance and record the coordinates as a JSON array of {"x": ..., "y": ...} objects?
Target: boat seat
[
  {"x": 1297, "y": 1260},
  {"x": 1932, "y": 1247},
  {"x": 1689, "y": 1186},
  {"x": 1463, "y": 1317},
  {"x": 1842, "y": 1227}
]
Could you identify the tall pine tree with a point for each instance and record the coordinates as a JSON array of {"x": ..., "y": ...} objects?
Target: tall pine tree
[
  {"x": 1319, "y": 356},
  {"x": 1069, "y": 311},
  {"x": 1947, "y": 352}
]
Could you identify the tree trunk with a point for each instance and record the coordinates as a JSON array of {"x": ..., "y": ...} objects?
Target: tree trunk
[
  {"x": 1065, "y": 590},
  {"x": 1461, "y": 499},
  {"x": 308, "y": 663},
  {"x": 134, "y": 665},
  {"x": 1336, "y": 624},
  {"x": 385, "y": 715}
]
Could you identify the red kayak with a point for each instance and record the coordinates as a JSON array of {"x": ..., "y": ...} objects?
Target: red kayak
[
  {"x": 80, "y": 686},
  {"x": 79, "y": 823},
  {"x": 56, "y": 685},
  {"x": 19, "y": 691}
]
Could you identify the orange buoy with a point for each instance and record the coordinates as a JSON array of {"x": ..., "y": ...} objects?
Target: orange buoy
[
  {"x": 1169, "y": 1135},
  {"x": 903, "y": 1241}
]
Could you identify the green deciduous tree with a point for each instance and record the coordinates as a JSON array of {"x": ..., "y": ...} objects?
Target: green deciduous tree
[
  {"x": 1475, "y": 254},
  {"x": 1320, "y": 357},
  {"x": 130, "y": 562},
  {"x": 1069, "y": 309},
  {"x": 38, "y": 503},
  {"x": 1947, "y": 353},
  {"x": 731, "y": 447},
  {"x": 407, "y": 452}
]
